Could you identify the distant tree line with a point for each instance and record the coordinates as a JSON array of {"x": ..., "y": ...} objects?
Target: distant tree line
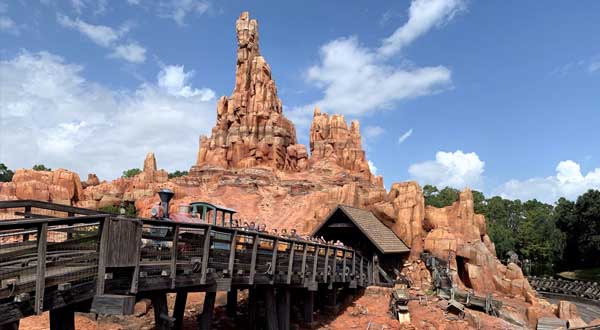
[{"x": 565, "y": 235}]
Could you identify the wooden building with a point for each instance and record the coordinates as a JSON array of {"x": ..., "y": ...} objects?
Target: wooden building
[{"x": 361, "y": 230}]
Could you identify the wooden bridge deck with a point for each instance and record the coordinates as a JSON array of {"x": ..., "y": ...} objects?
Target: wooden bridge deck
[{"x": 64, "y": 264}]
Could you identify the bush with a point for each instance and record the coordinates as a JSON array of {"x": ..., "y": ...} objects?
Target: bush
[
  {"x": 41, "y": 167},
  {"x": 6, "y": 174},
  {"x": 130, "y": 173},
  {"x": 177, "y": 174}
]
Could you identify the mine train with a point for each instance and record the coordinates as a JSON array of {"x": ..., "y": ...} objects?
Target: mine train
[{"x": 194, "y": 212}]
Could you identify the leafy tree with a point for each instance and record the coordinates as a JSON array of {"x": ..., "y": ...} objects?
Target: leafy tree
[
  {"x": 116, "y": 209},
  {"x": 41, "y": 167},
  {"x": 130, "y": 173},
  {"x": 6, "y": 174},
  {"x": 177, "y": 174},
  {"x": 439, "y": 198},
  {"x": 587, "y": 228}
]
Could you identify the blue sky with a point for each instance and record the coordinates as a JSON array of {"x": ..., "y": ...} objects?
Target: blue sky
[{"x": 500, "y": 96}]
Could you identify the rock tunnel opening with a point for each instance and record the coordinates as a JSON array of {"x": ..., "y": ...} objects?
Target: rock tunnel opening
[{"x": 463, "y": 274}]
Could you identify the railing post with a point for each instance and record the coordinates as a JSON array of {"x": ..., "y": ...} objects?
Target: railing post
[
  {"x": 315, "y": 263},
  {"x": 274, "y": 260},
  {"x": 290, "y": 264},
  {"x": 175, "y": 242},
  {"x": 325, "y": 265},
  {"x": 40, "y": 282},
  {"x": 303, "y": 271},
  {"x": 102, "y": 248},
  {"x": 232, "y": 249},
  {"x": 205, "y": 254},
  {"x": 344, "y": 266},
  {"x": 361, "y": 271},
  {"x": 354, "y": 265},
  {"x": 253, "y": 260}
]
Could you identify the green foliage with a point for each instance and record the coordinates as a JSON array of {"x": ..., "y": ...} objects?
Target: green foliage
[
  {"x": 41, "y": 167},
  {"x": 177, "y": 174},
  {"x": 114, "y": 209},
  {"x": 439, "y": 198},
  {"x": 6, "y": 174},
  {"x": 130, "y": 173}
]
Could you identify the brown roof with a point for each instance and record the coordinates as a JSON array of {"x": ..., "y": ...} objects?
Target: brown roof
[{"x": 382, "y": 236}]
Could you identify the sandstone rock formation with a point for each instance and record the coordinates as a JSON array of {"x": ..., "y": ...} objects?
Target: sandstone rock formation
[{"x": 251, "y": 129}]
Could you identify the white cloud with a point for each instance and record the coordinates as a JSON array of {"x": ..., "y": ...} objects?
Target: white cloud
[
  {"x": 8, "y": 25},
  {"x": 49, "y": 113},
  {"x": 372, "y": 167},
  {"x": 131, "y": 52},
  {"x": 405, "y": 136},
  {"x": 372, "y": 132},
  {"x": 454, "y": 169},
  {"x": 594, "y": 66},
  {"x": 175, "y": 80},
  {"x": 178, "y": 10},
  {"x": 108, "y": 37},
  {"x": 568, "y": 182},
  {"x": 102, "y": 35},
  {"x": 358, "y": 80},
  {"x": 422, "y": 16}
]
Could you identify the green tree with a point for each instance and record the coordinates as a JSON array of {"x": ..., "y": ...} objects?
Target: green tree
[
  {"x": 130, "y": 173},
  {"x": 439, "y": 198},
  {"x": 6, "y": 174},
  {"x": 41, "y": 167},
  {"x": 587, "y": 228},
  {"x": 116, "y": 209},
  {"x": 177, "y": 174}
]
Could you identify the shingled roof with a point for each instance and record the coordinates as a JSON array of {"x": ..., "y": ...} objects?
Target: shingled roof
[{"x": 382, "y": 236}]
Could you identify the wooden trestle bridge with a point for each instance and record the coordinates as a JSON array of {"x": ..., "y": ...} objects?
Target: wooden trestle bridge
[{"x": 87, "y": 261}]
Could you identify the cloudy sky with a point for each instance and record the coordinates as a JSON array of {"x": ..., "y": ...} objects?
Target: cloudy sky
[{"x": 501, "y": 96}]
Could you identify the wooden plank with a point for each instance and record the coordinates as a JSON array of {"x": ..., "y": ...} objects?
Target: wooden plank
[
  {"x": 325, "y": 265},
  {"x": 232, "y": 249},
  {"x": 344, "y": 267},
  {"x": 136, "y": 270},
  {"x": 46, "y": 206},
  {"x": 303, "y": 271},
  {"x": 113, "y": 304},
  {"x": 179, "y": 309},
  {"x": 354, "y": 265},
  {"x": 290, "y": 269},
  {"x": 253, "y": 260},
  {"x": 271, "y": 308},
  {"x": 283, "y": 308},
  {"x": 40, "y": 282},
  {"x": 62, "y": 318},
  {"x": 174, "y": 249},
  {"x": 103, "y": 246},
  {"x": 315, "y": 263},
  {"x": 341, "y": 225},
  {"x": 205, "y": 254},
  {"x": 273, "y": 270},
  {"x": 205, "y": 319},
  {"x": 332, "y": 277},
  {"x": 361, "y": 271}
]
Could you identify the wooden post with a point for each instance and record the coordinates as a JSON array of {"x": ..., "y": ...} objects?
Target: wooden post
[
  {"x": 290, "y": 269},
  {"x": 40, "y": 280},
  {"x": 103, "y": 247},
  {"x": 161, "y": 311},
  {"x": 136, "y": 269},
  {"x": 271, "y": 308},
  {"x": 253, "y": 260},
  {"x": 354, "y": 265},
  {"x": 274, "y": 261},
  {"x": 283, "y": 308},
  {"x": 175, "y": 242},
  {"x": 62, "y": 318},
  {"x": 361, "y": 271},
  {"x": 314, "y": 270},
  {"x": 344, "y": 266},
  {"x": 252, "y": 307},
  {"x": 205, "y": 319},
  {"x": 309, "y": 303},
  {"x": 325, "y": 265},
  {"x": 205, "y": 254},
  {"x": 179, "y": 309},
  {"x": 232, "y": 249},
  {"x": 231, "y": 307},
  {"x": 303, "y": 270}
]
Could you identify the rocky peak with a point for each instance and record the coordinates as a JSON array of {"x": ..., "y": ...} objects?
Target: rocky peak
[
  {"x": 151, "y": 172},
  {"x": 251, "y": 129},
  {"x": 332, "y": 141}
]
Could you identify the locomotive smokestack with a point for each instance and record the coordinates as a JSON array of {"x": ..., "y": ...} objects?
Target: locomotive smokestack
[{"x": 165, "y": 196}]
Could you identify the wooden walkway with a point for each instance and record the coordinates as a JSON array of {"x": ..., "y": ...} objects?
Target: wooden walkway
[{"x": 92, "y": 262}]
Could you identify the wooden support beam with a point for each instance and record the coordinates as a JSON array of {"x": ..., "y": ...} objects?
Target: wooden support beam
[
  {"x": 205, "y": 319},
  {"x": 174, "y": 249},
  {"x": 283, "y": 308},
  {"x": 273, "y": 271},
  {"x": 303, "y": 269},
  {"x": 179, "y": 309},
  {"x": 309, "y": 305},
  {"x": 252, "y": 307},
  {"x": 253, "y": 260},
  {"x": 354, "y": 265},
  {"x": 102, "y": 252},
  {"x": 10, "y": 326},
  {"x": 333, "y": 268},
  {"x": 136, "y": 268},
  {"x": 344, "y": 266},
  {"x": 290, "y": 268},
  {"x": 232, "y": 249},
  {"x": 315, "y": 263},
  {"x": 205, "y": 254},
  {"x": 62, "y": 318},
  {"x": 40, "y": 281},
  {"x": 231, "y": 307},
  {"x": 271, "y": 308},
  {"x": 162, "y": 320},
  {"x": 325, "y": 265},
  {"x": 361, "y": 271}
]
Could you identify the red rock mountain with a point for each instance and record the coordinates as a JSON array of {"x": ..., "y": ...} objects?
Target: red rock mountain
[{"x": 252, "y": 163}]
